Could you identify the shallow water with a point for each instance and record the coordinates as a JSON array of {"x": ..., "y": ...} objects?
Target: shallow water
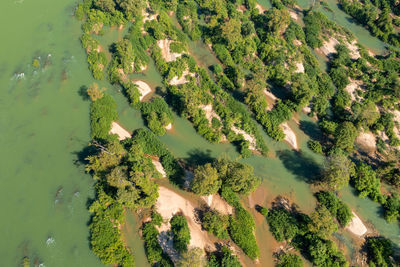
[{"x": 43, "y": 122}]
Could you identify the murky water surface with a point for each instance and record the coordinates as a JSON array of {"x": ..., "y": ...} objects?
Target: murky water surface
[{"x": 44, "y": 124}]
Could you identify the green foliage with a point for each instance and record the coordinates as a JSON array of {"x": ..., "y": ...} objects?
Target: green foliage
[
  {"x": 186, "y": 14},
  {"x": 241, "y": 230},
  {"x": 379, "y": 22},
  {"x": 367, "y": 183},
  {"x": 321, "y": 252},
  {"x": 337, "y": 208},
  {"x": 103, "y": 112},
  {"x": 337, "y": 171},
  {"x": 283, "y": 224},
  {"x": 223, "y": 258},
  {"x": 97, "y": 62},
  {"x": 289, "y": 260},
  {"x": 105, "y": 236},
  {"x": 322, "y": 223},
  {"x": 379, "y": 251},
  {"x": 153, "y": 249},
  {"x": 153, "y": 146},
  {"x": 315, "y": 146},
  {"x": 181, "y": 232},
  {"x": 238, "y": 176},
  {"x": 216, "y": 223},
  {"x": 392, "y": 208},
  {"x": 192, "y": 257},
  {"x": 206, "y": 180},
  {"x": 345, "y": 136},
  {"x": 157, "y": 115}
]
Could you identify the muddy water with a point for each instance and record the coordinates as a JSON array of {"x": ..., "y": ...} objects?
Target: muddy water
[{"x": 44, "y": 123}]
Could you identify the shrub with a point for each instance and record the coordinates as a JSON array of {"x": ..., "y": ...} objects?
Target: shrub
[
  {"x": 181, "y": 232},
  {"x": 103, "y": 112},
  {"x": 216, "y": 223}
]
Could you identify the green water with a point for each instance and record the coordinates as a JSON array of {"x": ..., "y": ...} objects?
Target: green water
[{"x": 44, "y": 123}]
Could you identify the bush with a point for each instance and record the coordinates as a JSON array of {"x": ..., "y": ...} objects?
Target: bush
[
  {"x": 283, "y": 224},
  {"x": 336, "y": 207},
  {"x": 157, "y": 114},
  {"x": 181, "y": 232},
  {"x": 241, "y": 230},
  {"x": 379, "y": 251},
  {"x": 315, "y": 146},
  {"x": 289, "y": 260},
  {"x": 103, "y": 112},
  {"x": 216, "y": 223}
]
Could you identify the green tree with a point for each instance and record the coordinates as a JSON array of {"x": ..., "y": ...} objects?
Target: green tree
[
  {"x": 379, "y": 251},
  {"x": 94, "y": 92},
  {"x": 289, "y": 260},
  {"x": 345, "y": 136},
  {"x": 206, "y": 180},
  {"x": 337, "y": 171},
  {"x": 216, "y": 223},
  {"x": 231, "y": 32},
  {"x": 180, "y": 230},
  {"x": 192, "y": 257},
  {"x": 322, "y": 223},
  {"x": 367, "y": 183}
]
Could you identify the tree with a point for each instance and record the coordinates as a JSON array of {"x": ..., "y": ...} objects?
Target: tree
[
  {"x": 379, "y": 251},
  {"x": 282, "y": 224},
  {"x": 322, "y": 223},
  {"x": 289, "y": 260},
  {"x": 345, "y": 136},
  {"x": 231, "y": 32},
  {"x": 193, "y": 257},
  {"x": 180, "y": 230},
  {"x": 206, "y": 180},
  {"x": 367, "y": 182},
  {"x": 216, "y": 223},
  {"x": 237, "y": 176},
  {"x": 337, "y": 171},
  {"x": 131, "y": 7},
  {"x": 105, "y": 5},
  {"x": 94, "y": 92},
  {"x": 223, "y": 258}
]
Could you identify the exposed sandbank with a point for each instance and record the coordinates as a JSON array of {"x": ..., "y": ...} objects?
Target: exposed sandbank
[
  {"x": 165, "y": 50},
  {"x": 290, "y": 136},
  {"x": 356, "y": 226},
  {"x": 170, "y": 203},
  {"x": 118, "y": 130},
  {"x": 144, "y": 89}
]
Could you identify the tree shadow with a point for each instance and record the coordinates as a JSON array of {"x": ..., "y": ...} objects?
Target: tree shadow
[
  {"x": 83, "y": 154},
  {"x": 83, "y": 93},
  {"x": 311, "y": 129},
  {"x": 302, "y": 166},
  {"x": 198, "y": 156}
]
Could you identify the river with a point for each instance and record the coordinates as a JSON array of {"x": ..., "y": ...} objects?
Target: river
[{"x": 44, "y": 124}]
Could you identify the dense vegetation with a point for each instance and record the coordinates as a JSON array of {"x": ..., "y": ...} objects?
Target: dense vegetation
[
  {"x": 309, "y": 234},
  {"x": 259, "y": 53}
]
